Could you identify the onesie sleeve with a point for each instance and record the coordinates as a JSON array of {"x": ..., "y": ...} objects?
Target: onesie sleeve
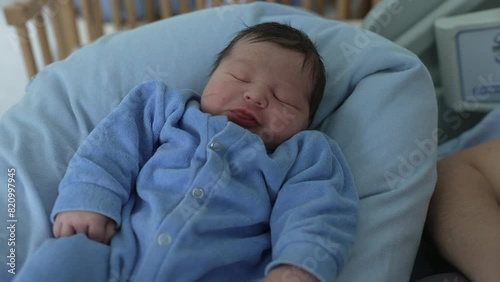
[
  {"x": 103, "y": 171},
  {"x": 314, "y": 218}
]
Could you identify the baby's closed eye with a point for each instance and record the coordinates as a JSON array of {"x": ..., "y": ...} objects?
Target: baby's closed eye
[{"x": 239, "y": 77}]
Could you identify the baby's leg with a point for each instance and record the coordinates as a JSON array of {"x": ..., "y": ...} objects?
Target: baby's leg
[{"x": 75, "y": 258}]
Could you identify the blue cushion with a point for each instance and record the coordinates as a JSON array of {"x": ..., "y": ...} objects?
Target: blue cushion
[{"x": 379, "y": 105}]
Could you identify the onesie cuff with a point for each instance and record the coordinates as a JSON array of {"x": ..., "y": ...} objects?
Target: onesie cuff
[
  {"x": 88, "y": 197},
  {"x": 311, "y": 257}
]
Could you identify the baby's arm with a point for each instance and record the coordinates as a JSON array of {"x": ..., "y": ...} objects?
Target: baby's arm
[
  {"x": 96, "y": 226},
  {"x": 102, "y": 174},
  {"x": 314, "y": 218}
]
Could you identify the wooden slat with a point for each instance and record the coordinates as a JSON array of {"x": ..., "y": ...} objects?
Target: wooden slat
[
  {"x": 307, "y": 4},
  {"x": 130, "y": 11},
  {"x": 42, "y": 38},
  {"x": 24, "y": 42},
  {"x": 165, "y": 9},
  {"x": 343, "y": 9},
  {"x": 115, "y": 12},
  {"x": 200, "y": 4},
  {"x": 87, "y": 17},
  {"x": 15, "y": 15},
  {"x": 59, "y": 35},
  {"x": 69, "y": 26},
  {"x": 97, "y": 18},
  {"x": 19, "y": 12},
  {"x": 320, "y": 7},
  {"x": 184, "y": 6},
  {"x": 217, "y": 3},
  {"x": 149, "y": 10}
]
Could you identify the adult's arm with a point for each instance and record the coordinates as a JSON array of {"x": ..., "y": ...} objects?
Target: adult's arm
[{"x": 464, "y": 214}]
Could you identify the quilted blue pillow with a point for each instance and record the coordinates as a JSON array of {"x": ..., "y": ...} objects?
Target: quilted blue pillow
[{"x": 379, "y": 105}]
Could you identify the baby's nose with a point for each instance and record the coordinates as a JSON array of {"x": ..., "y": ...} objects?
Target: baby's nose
[{"x": 257, "y": 96}]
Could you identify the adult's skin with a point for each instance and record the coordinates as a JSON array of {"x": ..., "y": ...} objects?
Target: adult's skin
[{"x": 464, "y": 213}]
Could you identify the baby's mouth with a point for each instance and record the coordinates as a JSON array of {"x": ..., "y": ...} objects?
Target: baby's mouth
[{"x": 242, "y": 118}]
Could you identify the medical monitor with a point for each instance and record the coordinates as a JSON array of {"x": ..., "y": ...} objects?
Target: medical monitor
[
  {"x": 469, "y": 59},
  {"x": 410, "y": 24}
]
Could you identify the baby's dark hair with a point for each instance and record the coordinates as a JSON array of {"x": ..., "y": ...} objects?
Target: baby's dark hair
[{"x": 289, "y": 38}]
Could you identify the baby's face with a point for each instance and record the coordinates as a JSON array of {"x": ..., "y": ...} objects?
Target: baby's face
[{"x": 263, "y": 88}]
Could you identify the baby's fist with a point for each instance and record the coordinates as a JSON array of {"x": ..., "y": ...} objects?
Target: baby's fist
[
  {"x": 289, "y": 273},
  {"x": 96, "y": 226}
]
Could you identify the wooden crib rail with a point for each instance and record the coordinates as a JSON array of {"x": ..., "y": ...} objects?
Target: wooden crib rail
[{"x": 61, "y": 14}]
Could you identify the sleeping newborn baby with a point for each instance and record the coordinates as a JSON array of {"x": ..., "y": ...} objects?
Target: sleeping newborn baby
[{"x": 229, "y": 186}]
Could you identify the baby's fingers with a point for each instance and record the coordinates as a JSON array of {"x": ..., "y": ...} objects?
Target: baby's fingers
[
  {"x": 65, "y": 230},
  {"x": 97, "y": 232},
  {"x": 56, "y": 229},
  {"x": 110, "y": 231}
]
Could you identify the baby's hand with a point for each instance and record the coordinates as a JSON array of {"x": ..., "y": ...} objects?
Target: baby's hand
[
  {"x": 288, "y": 273},
  {"x": 96, "y": 226}
]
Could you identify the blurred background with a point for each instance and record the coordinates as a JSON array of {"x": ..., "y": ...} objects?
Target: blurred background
[
  {"x": 12, "y": 73},
  {"x": 13, "y": 77}
]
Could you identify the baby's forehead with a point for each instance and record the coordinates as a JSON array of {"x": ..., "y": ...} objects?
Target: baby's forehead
[
  {"x": 250, "y": 42},
  {"x": 243, "y": 53},
  {"x": 246, "y": 50}
]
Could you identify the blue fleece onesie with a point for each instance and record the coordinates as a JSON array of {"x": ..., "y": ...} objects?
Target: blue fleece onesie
[{"x": 198, "y": 198}]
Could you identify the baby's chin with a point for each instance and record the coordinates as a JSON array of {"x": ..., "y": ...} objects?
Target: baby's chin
[{"x": 267, "y": 138}]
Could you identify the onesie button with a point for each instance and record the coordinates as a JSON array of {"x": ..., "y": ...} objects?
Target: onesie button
[
  {"x": 164, "y": 239},
  {"x": 216, "y": 146},
  {"x": 197, "y": 193}
]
